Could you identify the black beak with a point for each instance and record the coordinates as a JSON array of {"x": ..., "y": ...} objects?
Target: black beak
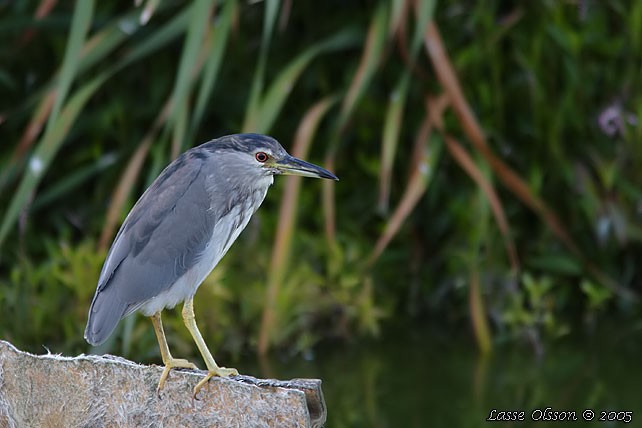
[{"x": 294, "y": 166}]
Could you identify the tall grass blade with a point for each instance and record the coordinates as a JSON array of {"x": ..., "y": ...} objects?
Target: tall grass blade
[
  {"x": 465, "y": 161},
  {"x": 218, "y": 43},
  {"x": 478, "y": 314},
  {"x": 284, "y": 16},
  {"x": 390, "y": 141},
  {"x": 80, "y": 23},
  {"x": 178, "y": 121},
  {"x": 421, "y": 171},
  {"x": 35, "y": 125},
  {"x": 424, "y": 11},
  {"x": 256, "y": 91},
  {"x": 327, "y": 202},
  {"x": 271, "y": 104},
  {"x": 104, "y": 42},
  {"x": 368, "y": 64},
  {"x": 200, "y": 12},
  {"x": 394, "y": 114},
  {"x": 45, "y": 152},
  {"x": 398, "y": 13}
]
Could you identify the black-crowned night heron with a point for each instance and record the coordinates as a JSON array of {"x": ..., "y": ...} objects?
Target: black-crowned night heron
[{"x": 180, "y": 229}]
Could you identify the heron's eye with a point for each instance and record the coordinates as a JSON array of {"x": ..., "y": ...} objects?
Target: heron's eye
[{"x": 261, "y": 157}]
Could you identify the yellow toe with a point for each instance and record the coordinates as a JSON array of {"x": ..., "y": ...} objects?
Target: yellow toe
[
  {"x": 217, "y": 371},
  {"x": 174, "y": 363}
]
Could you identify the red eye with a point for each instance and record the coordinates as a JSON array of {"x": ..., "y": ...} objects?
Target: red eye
[{"x": 261, "y": 157}]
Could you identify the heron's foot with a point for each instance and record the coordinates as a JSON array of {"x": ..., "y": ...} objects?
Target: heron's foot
[
  {"x": 174, "y": 363},
  {"x": 218, "y": 371}
]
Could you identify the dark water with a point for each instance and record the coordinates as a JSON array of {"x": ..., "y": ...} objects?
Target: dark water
[{"x": 427, "y": 379}]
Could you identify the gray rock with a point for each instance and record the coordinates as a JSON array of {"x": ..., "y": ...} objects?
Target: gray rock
[{"x": 105, "y": 391}]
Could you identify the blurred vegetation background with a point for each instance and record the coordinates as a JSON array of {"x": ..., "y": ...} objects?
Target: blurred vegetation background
[{"x": 489, "y": 156}]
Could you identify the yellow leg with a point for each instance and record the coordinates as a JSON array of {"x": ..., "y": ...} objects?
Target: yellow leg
[
  {"x": 212, "y": 368},
  {"x": 169, "y": 361}
]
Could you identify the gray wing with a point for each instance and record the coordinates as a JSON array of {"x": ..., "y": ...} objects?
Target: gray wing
[{"x": 161, "y": 238}]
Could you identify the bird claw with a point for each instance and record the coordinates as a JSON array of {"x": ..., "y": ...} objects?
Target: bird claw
[
  {"x": 218, "y": 371},
  {"x": 174, "y": 363}
]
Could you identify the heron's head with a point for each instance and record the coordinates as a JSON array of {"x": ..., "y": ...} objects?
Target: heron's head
[{"x": 259, "y": 156}]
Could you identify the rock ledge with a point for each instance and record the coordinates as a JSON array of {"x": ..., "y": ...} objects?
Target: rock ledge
[{"x": 96, "y": 391}]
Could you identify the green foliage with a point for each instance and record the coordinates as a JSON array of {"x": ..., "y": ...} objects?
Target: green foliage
[
  {"x": 597, "y": 296},
  {"x": 523, "y": 228},
  {"x": 45, "y": 304},
  {"x": 534, "y": 308}
]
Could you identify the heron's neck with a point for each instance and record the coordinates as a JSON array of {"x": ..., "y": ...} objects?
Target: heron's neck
[{"x": 226, "y": 193}]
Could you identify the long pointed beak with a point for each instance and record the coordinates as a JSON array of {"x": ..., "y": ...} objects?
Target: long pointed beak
[{"x": 295, "y": 166}]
